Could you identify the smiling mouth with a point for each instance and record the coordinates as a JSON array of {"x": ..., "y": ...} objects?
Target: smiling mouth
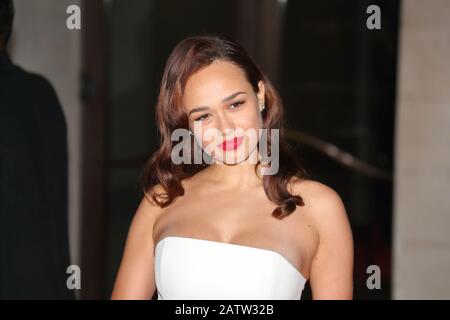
[{"x": 231, "y": 144}]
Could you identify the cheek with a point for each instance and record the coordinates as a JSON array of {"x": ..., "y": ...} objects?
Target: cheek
[
  {"x": 252, "y": 125},
  {"x": 252, "y": 120}
]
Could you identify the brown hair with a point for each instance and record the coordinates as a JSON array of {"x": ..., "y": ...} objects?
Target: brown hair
[{"x": 190, "y": 55}]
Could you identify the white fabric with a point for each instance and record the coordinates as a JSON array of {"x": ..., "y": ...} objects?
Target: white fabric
[{"x": 189, "y": 268}]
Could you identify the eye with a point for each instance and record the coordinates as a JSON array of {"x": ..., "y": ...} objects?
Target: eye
[
  {"x": 236, "y": 104},
  {"x": 202, "y": 117}
]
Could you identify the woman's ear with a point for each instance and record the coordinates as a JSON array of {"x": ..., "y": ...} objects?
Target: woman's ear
[{"x": 261, "y": 94}]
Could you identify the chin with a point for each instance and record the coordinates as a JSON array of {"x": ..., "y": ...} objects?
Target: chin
[{"x": 222, "y": 157}]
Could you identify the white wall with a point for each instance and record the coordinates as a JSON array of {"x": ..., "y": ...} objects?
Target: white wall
[
  {"x": 41, "y": 43},
  {"x": 421, "y": 253}
]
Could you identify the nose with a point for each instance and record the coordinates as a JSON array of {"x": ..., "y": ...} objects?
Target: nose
[{"x": 226, "y": 125}]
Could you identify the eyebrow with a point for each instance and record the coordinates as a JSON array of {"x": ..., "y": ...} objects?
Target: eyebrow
[{"x": 226, "y": 99}]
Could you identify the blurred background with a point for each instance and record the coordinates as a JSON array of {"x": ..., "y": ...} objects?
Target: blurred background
[{"x": 368, "y": 113}]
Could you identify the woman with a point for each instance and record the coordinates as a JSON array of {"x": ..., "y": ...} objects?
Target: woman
[{"x": 220, "y": 229}]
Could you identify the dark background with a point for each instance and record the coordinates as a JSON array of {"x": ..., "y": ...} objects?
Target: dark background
[{"x": 335, "y": 76}]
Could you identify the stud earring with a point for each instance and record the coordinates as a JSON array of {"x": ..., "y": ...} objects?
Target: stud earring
[{"x": 263, "y": 107}]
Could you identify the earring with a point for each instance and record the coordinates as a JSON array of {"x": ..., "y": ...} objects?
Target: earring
[
  {"x": 263, "y": 107},
  {"x": 190, "y": 132}
]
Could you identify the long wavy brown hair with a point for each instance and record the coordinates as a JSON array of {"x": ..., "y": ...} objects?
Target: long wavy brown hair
[{"x": 189, "y": 56}]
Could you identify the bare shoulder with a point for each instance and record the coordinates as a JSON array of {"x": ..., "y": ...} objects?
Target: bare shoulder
[
  {"x": 331, "y": 272},
  {"x": 322, "y": 202},
  {"x": 313, "y": 188},
  {"x": 135, "y": 279},
  {"x": 148, "y": 209},
  {"x": 325, "y": 208},
  {"x": 146, "y": 216}
]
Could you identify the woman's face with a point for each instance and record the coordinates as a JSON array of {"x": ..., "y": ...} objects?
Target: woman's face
[{"x": 220, "y": 102}]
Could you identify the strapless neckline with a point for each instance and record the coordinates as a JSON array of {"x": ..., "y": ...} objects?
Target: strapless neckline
[{"x": 238, "y": 246}]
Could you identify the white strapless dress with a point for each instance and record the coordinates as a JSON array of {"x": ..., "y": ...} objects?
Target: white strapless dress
[{"x": 193, "y": 269}]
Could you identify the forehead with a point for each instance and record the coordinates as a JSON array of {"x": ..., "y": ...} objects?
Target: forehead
[{"x": 214, "y": 82}]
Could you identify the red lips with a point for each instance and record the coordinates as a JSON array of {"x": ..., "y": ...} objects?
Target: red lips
[{"x": 231, "y": 144}]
